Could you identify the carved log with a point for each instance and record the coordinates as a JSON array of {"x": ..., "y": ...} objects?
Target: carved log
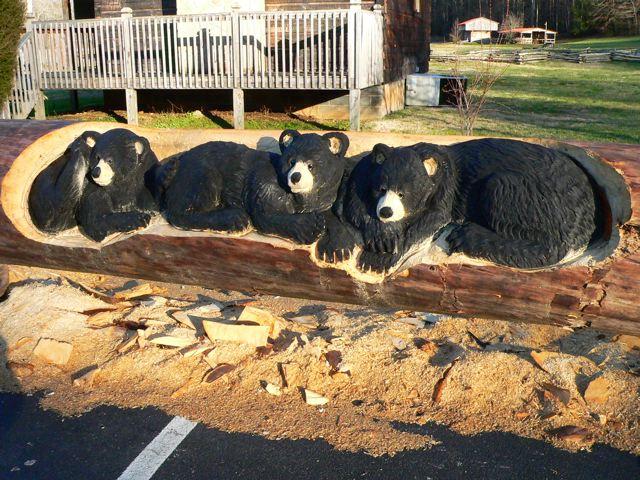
[{"x": 604, "y": 296}]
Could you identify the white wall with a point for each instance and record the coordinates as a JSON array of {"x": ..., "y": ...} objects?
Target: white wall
[
  {"x": 185, "y": 7},
  {"x": 46, "y": 9}
]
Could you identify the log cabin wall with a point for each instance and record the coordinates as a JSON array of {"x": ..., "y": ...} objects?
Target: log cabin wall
[
  {"x": 141, "y": 8},
  {"x": 407, "y": 38}
]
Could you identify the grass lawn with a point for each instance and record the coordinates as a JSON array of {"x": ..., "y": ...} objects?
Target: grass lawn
[
  {"x": 602, "y": 42},
  {"x": 560, "y": 100}
]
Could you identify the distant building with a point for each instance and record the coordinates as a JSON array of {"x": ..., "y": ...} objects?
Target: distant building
[
  {"x": 530, "y": 35},
  {"x": 477, "y": 29}
]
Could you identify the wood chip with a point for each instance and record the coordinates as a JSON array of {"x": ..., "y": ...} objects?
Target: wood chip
[
  {"x": 571, "y": 433},
  {"x": 208, "y": 310},
  {"x": 127, "y": 344},
  {"x": 597, "y": 391},
  {"x": 272, "y": 389},
  {"x": 19, "y": 344},
  {"x": 262, "y": 317},
  {"x": 414, "y": 321},
  {"x": 138, "y": 291},
  {"x": 195, "y": 350},
  {"x": 219, "y": 371},
  {"x": 105, "y": 318},
  {"x": 305, "y": 320},
  {"x": 19, "y": 369},
  {"x": 542, "y": 357},
  {"x": 170, "y": 340},
  {"x": 314, "y": 398},
  {"x": 92, "y": 291},
  {"x": 334, "y": 359},
  {"x": 522, "y": 415},
  {"x": 88, "y": 378},
  {"x": 256, "y": 335},
  {"x": 561, "y": 394},
  {"x": 53, "y": 351},
  {"x": 184, "y": 319},
  {"x": 442, "y": 382},
  {"x": 426, "y": 346},
  {"x": 630, "y": 341},
  {"x": 154, "y": 302}
]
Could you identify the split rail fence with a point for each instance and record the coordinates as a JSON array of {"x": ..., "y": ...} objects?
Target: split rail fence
[{"x": 304, "y": 50}]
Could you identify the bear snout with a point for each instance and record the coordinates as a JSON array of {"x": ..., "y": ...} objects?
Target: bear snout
[
  {"x": 102, "y": 173},
  {"x": 300, "y": 178},
  {"x": 390, "y": 207}
]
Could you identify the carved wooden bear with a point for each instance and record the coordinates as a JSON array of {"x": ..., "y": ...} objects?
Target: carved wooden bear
[
  {"x": 56, "y": 191},
  {"x": 117, "y": 197},
  {"x": 513, "y": 203},
  {"x": 228, "y": 187}
]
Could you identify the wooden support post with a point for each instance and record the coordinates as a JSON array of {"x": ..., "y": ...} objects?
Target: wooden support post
[
  {"x": 354, "y": 109},
  {"x": 238, "y": 108},
  {"x": 39, "y": 107},
  {"x": 131, "y": 96},
  {"x": 75, "y": 102}
]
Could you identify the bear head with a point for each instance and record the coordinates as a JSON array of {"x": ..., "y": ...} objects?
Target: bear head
[
  {"x": 120, "y": 157},
  {"x": 311, "y": 166},
  {"x": 404, "y": 179}
]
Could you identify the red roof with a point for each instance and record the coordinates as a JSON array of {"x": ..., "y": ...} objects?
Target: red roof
[
  {"x": 474, "y": 19},
  {"x": 527, "y": 30}
]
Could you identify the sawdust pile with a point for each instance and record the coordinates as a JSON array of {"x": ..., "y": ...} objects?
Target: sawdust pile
[{"x": 350, "y": 375}]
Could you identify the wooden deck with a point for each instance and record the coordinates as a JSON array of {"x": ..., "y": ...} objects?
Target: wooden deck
[{"x": 305, "y": 50}]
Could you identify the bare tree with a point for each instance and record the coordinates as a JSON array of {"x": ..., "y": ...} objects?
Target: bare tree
[
  {"x": 470, "y": 89},
  {"x": 456, "y": 32}
]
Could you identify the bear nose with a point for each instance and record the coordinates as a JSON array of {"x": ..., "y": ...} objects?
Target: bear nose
[
  {"x": 295, "y": 177},
  {"x": 95, "y": 173},
  {"x": 386, "y": 212}
]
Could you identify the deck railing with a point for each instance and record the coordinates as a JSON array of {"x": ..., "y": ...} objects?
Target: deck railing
[
  {"x": 328, "y": 49},
  {"x": 24, "y": 94}
]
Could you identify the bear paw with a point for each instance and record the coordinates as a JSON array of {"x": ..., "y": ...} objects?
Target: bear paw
[
  {"x": 467, "y": 238},
  {"x": 377, "y": 262},
  {"x": 307, "y": 228},
  {"x": 331, "y": 249}
]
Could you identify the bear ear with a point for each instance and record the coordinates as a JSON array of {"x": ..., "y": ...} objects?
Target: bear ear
[
  {"x": 91, "y": 138},
  {"x": 139, "y": 146},
  {"x": 286, "y": 138},
  {"x": 379, "y": 153},
  {"x": 430, "y": 165},
  {"x": 338, "y": 143}
]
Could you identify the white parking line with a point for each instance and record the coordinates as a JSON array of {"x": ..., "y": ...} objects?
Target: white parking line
[{"x": 154, "y": 454}]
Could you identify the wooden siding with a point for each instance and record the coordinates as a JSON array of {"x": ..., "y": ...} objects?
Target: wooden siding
[
  {"x": 407, "y": 38},
  {"x": 111, "y": 8}
]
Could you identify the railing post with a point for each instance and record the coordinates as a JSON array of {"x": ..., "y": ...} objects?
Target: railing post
[
  {"x": 130, "y": 93},
  {"x": 355, "y": 43},
  {"x": 238, "y": 93}
]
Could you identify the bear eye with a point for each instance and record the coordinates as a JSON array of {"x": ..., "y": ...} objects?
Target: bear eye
[
  {"x": 383, "y": 190},
  {"x": 310, "y": 166},
  {"x": 401, "y": 195}
]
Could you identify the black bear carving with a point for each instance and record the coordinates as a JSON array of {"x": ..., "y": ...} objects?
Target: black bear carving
[
  {"x": 227, "y": 187},
  {"x": 514, "y": 203},
  {"x": 102, "y": 185}
]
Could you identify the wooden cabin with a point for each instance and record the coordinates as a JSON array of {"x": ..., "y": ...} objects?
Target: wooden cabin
[
  {"x": 406, "y": 45},
  {"x": 325, "y": 59},
  {"x": 477, "y": 29},
  {"x": 530, "y": 35}
]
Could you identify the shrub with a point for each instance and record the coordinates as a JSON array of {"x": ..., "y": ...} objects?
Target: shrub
[{"x": 11, "y": 26}]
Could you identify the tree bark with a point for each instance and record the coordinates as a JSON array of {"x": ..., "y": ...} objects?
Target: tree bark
[{"x": 604, "y": 296}]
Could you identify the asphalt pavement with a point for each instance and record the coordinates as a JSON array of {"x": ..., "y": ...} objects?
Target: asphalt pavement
[{"x": 103, "y": 443}]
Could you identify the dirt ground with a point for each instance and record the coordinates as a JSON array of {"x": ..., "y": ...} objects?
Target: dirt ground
[{"x": 87, "y": 340}]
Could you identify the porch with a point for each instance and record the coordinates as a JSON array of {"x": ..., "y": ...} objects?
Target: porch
[{"x": 300, "y": 50}]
